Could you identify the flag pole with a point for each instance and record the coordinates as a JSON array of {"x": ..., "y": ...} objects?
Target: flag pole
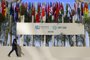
[
  {"x": 10, "y": 30},
  {"x": 44, "y": 19},
  {"x": 32, "y": 39},
  {"x": 52, "y": 35}
]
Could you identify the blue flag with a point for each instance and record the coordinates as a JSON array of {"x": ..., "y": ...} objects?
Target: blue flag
[{"x": 11, "y": 10}]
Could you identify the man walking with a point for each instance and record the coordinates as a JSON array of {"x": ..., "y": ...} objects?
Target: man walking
[{"x": 14, "y": 47}]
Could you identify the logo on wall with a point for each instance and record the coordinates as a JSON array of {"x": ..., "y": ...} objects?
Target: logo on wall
[{"x": 37, "y": 27}]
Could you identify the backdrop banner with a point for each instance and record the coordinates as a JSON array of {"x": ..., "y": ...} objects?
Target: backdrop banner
[{"x": 50, "y": 28}]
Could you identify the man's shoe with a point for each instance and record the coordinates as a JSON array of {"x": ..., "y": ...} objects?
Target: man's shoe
[
  {"x": 9, "y": 56},
  {"x": 18, "y": 56}
]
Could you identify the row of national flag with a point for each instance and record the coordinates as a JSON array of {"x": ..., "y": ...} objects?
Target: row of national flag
[{"x": 44, "y": 12}]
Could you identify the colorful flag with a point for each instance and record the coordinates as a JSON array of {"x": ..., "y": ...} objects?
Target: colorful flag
[
  {"x": 29, "y": 6},
  {"x": 56, "y": 12},
  {"x": 48, "y": 9},
  {"x": 82, "y": 8},
  {"x": 17, "y": 11},
  {"x": 3, "y": 4},
  {"x": 37, "y": 17},
  {"x": 39, "y": 7},
  {"x": 66, "y": 9},
  {"x": 78, "y": 11},
  {"x": 62, "y": 9},
  {"x": 11, "y": 10},
  {"x": 86, "y": 9},
  {"x": 43, "y": 13},
  {"x": 22, "y": 9},
  {"x": 33, "y": 10}
]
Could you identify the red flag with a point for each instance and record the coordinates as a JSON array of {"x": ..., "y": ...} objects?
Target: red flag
[
  {"x": 43, "y": 11},
  {"x": 37, "y": 18},
  {"x": 56, "y": 13},
  {"x": 3, "y": 4}
]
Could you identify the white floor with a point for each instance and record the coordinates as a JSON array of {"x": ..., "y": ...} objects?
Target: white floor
[{"x": 45, "y": 53}]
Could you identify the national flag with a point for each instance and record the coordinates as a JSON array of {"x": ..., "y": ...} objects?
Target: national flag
[
  {"x": 33, "y": 10},
  {"x": 39, "y": 7},
  {"x": 86, "y": 9},
  {"x": 66, "y": 9},
  {"x": 26, "y": 6},
  {"x": 3, "y": 4},
  {"x": 61, "y": 12},
  {"x": 29, "y": 6},
  {"x": 78, "y": 10},
  {"x": 11, "y": 10},
  {"x": 82, "y": 8},
  {"x": 51, "y": 15},
  {"x": 37, "y": 17},
  {"x": 56, "y": 12},
  {"x": 17, "y": 11},
  {"x": 62, "y": 9},
  {"x": 48, "y": 9},
  {"x": 22, "y": 9},
  {"x": 43, "y": 13}
]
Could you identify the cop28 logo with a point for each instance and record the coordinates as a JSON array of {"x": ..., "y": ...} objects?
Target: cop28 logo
[{"x": 37, "y": 27}]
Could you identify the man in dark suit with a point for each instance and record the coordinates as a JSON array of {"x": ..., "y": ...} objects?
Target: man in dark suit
[{"x": 14, "y": 47}]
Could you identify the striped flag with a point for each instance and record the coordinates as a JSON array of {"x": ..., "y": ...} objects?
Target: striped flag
[
  {"x": 22, "y": 9},
  {"x": 56, "y": 12},
  {"x": 39, "y": 7},
  {"x": 17, "y": 11},
  {"x": 11, "y": 10},
  {"x": 82, "y": 8},
  {"x": 78, "y": 11},
  {"x": 66, "y": 9},
  {"x": 51, "y": 13},
  {"x": 38, "y": 13},
  {"x": 3, "y": 4},
  {"x": 86, "y": 9},
  {"x": 37, "y": 17},
  {"x": 62, "y": 9},
  {"x": 33, "y": 10},
  {"x": 29, "y": 6},
  {"x": 61, "y": 12},
  {"x": 43, "y": 13}
]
